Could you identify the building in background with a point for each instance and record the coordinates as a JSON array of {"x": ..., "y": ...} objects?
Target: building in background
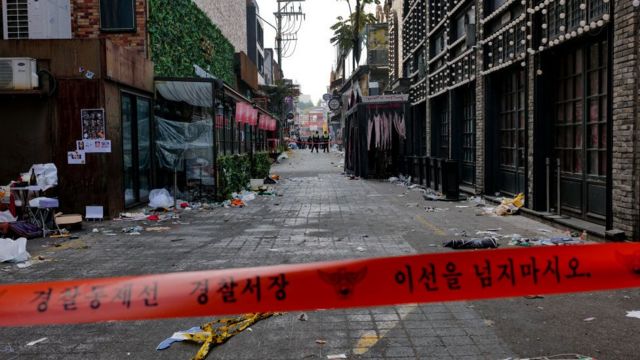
[
  {"x": 532, "y": 97},
  {"x": 255, "y": 38},
  {"x": 230, "y": 16},
  {"x": 92, "y": 59}
]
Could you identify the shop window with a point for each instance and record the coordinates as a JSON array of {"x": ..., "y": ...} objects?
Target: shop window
[
  {"x": 512, "y": 121},
  {"x": 117, "y": 15},
  {"x": 581, "y": 111}
]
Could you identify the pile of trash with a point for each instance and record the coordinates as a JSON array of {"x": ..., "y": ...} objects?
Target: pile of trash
[
  {"x": 401, "y": 180},
  {"x": 240, "y": 200},
  {"x": 510, "y": 206},
  {"x": 571, "y": 239},
  {"x": 432, "y": 195}
]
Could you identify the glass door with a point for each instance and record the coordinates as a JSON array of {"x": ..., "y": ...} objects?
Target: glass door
[
  {"x": 511, "y": 132},
  {"x": 136, "y": 148}
]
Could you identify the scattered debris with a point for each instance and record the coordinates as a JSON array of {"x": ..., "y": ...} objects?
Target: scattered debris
[
  {"x": 432, "y": 209},
  {"x": 336, "y": 356},
  {"x": 634, "y": 314},
  {"x": 589, "y": 319},
  {"x": 321, "y": 342},
  {"x": 160, "y": 199},
  {"x": 361, "y": 249},
  {"x": 303, "y": 317},
  {"x": 432, "y": 195},
  {"x": 158, "y": 228},
  {"x": 95, "y": 230},
  {"x": 477, "y": 201},
  {"x": 401, "y": 180},
  {"x": 133, "y": 230},
  {"x": 214, "y": 333},
  {"x": 31, "y": 343},
  {"x": 533, "y": 297},
  {"x": 510, "y": 206},
  {"x": 14, "y": 251},
  {"x": 489, "y": 322},
  {"x": 485, "y": 243},
  {"x": 518, "y": 241}
]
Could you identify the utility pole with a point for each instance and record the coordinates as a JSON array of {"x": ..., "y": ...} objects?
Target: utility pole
[{"x": 293, "y": 19}]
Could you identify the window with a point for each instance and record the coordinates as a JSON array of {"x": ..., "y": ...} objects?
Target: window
[
  {"x": 512, "y": 121},
  {"x": 494, "y": 5},
  {"x": 117, "y": 15}
]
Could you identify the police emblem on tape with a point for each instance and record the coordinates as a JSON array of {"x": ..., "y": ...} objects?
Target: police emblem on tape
[{"x": 343, "y": 281}]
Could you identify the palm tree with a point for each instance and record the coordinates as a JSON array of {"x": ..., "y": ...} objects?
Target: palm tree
[{"x": 346, "y": 32}]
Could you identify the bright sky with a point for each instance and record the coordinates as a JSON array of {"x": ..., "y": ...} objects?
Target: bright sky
[{"x": 310, "y": 65}]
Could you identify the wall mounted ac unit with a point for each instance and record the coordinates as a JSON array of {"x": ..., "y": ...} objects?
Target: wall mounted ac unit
[{"x": 18, "y": 74}]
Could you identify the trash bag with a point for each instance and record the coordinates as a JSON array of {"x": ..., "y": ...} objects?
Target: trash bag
[
  {"x": 160, "y": 198},
  {"x": 14, "y": 251},
  {"x": 485, "y": 243}
]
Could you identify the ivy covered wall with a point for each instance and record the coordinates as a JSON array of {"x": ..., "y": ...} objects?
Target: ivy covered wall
[{"x": 182, "y": 35}]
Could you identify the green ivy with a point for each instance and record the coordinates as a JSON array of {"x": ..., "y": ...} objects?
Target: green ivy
[{"x": 182, "y": 35}]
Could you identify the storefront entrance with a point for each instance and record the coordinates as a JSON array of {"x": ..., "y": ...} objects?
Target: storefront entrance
[
  {"x": 136, "y": 147},
  {"x": 581, "y": 128},
  {"x": 510, "y": 132}
]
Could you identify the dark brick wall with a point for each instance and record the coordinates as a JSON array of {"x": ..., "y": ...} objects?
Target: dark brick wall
[{"x": 626, "y": 165}]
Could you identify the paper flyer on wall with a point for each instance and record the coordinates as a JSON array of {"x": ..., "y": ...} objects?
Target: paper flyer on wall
[
  {"x": 94, "y": 146},
  {"x": 76, "y": 158}
]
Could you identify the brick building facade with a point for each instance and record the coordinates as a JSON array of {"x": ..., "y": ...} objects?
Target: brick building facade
[
  {"x": 231, "y": 17},
  {"x": 85, "y": 24},
  {"x": 94, "y": 58},
  {"x": 536, "y": 96}
]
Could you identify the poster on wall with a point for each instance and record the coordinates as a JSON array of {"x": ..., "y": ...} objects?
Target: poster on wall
[
  {"x": 93, "y": 124},
  {"x": 76, "y": 158},
  {"x": 94, "y": 146}
]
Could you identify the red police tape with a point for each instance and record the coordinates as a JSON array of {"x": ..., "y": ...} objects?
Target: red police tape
[{"x": 468, "y": 275}]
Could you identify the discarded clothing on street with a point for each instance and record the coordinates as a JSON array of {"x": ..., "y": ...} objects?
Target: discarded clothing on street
[
  {"x": 214, "y": 333},
  {"x": 485, "y": 243},
  {"x": 25, "y": 229}
]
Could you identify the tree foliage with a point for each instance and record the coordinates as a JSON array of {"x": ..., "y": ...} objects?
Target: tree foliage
[{"x": 345, "y": 32}]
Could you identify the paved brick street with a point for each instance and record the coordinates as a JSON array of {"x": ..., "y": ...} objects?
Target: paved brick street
[{"x": 323, "y": 215}]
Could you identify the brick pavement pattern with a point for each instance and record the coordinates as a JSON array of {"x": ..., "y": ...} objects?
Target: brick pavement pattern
[{"x": 319, "y": 215}]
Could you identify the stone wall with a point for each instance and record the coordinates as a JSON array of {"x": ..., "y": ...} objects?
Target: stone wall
[{"x": 231, "y": 18}]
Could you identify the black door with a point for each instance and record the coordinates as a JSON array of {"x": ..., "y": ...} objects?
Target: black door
[
  {"x": 440, "y": 127},
  {"x": 511, "y": 132},
  {"x": 581, "y": 123},
  {"x": 136, "y": 148}
]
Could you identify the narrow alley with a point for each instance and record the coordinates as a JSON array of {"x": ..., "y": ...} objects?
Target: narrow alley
[{"x": 320, "y": 214}]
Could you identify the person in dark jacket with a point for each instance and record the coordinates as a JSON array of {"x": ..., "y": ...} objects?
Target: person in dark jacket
[
  {"x": 325, "y": 142},
  {"x": 315, "y": 142}
]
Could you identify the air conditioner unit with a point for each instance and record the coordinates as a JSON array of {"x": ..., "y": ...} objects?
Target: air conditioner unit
[{"x": 18, "y": 74}]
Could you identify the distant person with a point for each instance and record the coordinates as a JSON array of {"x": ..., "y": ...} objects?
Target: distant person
[
  {"x": 316, "y": 142},
  {"x": 325, "y": 142}
]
